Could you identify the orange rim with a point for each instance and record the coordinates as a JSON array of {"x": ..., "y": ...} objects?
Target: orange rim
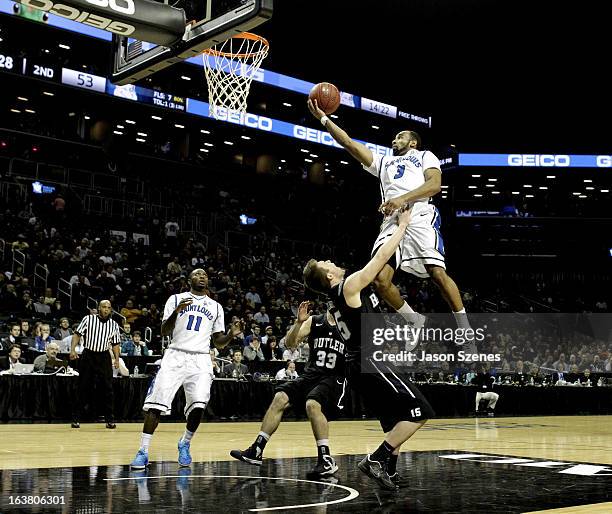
[{"x": 242, "y": 35}]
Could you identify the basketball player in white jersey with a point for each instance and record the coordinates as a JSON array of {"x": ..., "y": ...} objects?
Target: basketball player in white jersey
[
  {"x": 408, "y": 178},
  {"x": 192, "y": 319}
]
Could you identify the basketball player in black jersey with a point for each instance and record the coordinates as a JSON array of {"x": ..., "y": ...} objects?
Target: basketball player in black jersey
[
  {"x": 321, "y": 387},
  {"x": 398, "y": 404}
]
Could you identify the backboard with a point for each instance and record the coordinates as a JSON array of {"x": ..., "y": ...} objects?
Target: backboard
[{"x": 186, "y": 29}]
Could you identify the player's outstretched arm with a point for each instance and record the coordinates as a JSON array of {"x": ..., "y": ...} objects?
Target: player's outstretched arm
[
  {"x": 360, "y": 152},
  {"x": 365, "y": 276},
  {"x": 301, "y": 328}
]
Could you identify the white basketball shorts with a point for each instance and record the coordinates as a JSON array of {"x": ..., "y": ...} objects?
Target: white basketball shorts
[
  {"x": 422, "y": 243},
  {"x": 193, "y": 371}
]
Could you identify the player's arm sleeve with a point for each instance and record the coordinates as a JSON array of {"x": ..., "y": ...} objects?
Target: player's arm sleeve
[
  {"x": 170, "y": 306},
  {"x": 376, "y": 165},
  {"x": 82, "y": 328},
  {"x": 219, "y": 323},
  {"x": 430, "y": 161}
]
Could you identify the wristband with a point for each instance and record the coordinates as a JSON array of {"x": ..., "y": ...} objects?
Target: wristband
[{"x": 324, "y": 120}]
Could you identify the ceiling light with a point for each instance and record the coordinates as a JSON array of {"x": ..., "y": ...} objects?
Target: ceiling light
[
  {"x": 494, "y": 192},
  {"x": 477, "y": 195},
  {"x": 542, "y": 187},
  {"x": 16, "y": 111},
  {"x": 22, "y": 98},
  {"x": 314, "y": 155},
  {"x": 140, "y": 140},
  {"x": 185, "y": 77},
  {"x": 590, "y": 188},
  {"x": 527, "y": 185},
  {"x": 65, "y": 47},
  {"x": 343, "y": 162},
  {"x": 528, "y": 196},
  {"x": 471, "y": 187},
  {"x": 178, "y": 125},
  {"x": 120, "y": 126},
  {"x": 335, "y": 116},
  {"x": 490, "y": 185},
  {"x": 155, "y": 117},
  {"x": 47, "y": 93},
  {"x": 588, "y": 180},
  {"x": 228, "y": 143},
  {"x": 34, "y": 112},
  {"x": 283, "y": 160},
  {"x": 376, "y": 127},
  {"x": 46, "y": 51},
  {"x": 444, "y": 187},
  {"x": 605, "y": 190},
  {"x": 492, "y": 179},
  {"x": 551, "y": 176},
  {"x": 246, "y": 137},
  {"x": 308, "y": 160},
  {"x": 131, "y": 122},
  {"x": 287, "y": 104},
  {"x": 205, "y": 131},
  {"x": 208, "y": 144},
  {"x": 118, "y": 132},
  {"x": 204, "y": 150},
  {"x": 86, "y": 117},
  {"x": 516, "y": 193},
  {"x": 582, "y": 196},
  {"x": 304, "y": 150},
  {"x": 576, "y": 194},
  {"x": 142, "y": 134},
  {"x": 475, "y": 176}
]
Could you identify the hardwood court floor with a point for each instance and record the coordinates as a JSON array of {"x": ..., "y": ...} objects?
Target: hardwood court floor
[
  {"x": 563, "y": 438},
  {"x": 557, "y": 465}
]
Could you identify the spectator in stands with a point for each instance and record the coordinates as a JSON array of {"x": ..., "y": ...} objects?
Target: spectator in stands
[
  {"x": 122, "y": 369},
  {"x": 272, "y": 351},
  {"x": 559, "y": 377},
  {"x": 9, "y": 301},
  {"x": 261, "y": 317},
  {"x": 14, "y": 337},
  {"x": 154, "y": 316},
  {"x": 253, "y": 298},
  {"x": 130, "y": 313},
  {"x": 13, "y": 357},
  {"x": 278, "y": 329},
  {"x": 172, "y": 229},
  {"x": 255, "y": 332},
  {"x": 174, "y": 267},
  {"x": 267, "y": 334},
  {"x": 252, "y": 352},
  {"x": 520, "y": 377},
  {"x": 135, "y": 346},
  {"x": 49, "y": 298},
  {"x": 40, "y": 307},
  {"x": 63, "y": 330},
  {"x": 236, "y": 369},
  {"x": 42, "y": 341},
  {"x": 288, "y": 372},
  {"x": 215, "y": 364},
  {"x": 291, "y": 355},
  {"x": 25, "y": 328},
  {"x": 597, "y": 366},
  {"x": 126, "y": 335},
  {"x": 561, "y": 364},
  {"x": 27, "y": 304},
  {"x": 40, "y": 363}
]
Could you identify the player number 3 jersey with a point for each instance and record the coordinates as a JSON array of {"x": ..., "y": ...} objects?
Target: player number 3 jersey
[
  {"x": 196, "y": 323},
  {"x": 401, "y": 174}
]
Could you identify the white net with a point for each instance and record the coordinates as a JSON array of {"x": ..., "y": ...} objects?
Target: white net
[{"x": 230, "y": 67}]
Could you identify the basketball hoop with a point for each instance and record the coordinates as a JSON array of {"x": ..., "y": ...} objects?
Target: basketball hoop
[{"x": 230, "y": 67}]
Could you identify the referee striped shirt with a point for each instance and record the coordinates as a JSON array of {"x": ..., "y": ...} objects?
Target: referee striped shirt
[{"x": 98, "y": 335}]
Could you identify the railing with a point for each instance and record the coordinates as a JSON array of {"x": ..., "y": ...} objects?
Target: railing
[
  {"x": 91, "y": 304},
  {"x": 65, "y": 288},
  {"x": 41, "y": 273},
  {"x": 2, "y": 249},
  {"x": 148, "y": 334},
  {"x": 19, "y": 259}
]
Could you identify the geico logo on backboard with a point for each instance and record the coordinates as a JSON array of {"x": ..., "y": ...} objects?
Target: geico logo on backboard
[
  {"x": 94, "y": 20},
  {"x": 544, "y": 160}
]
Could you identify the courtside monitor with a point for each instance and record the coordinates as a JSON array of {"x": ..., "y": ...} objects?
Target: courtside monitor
[{"x": 179, "y": 32}]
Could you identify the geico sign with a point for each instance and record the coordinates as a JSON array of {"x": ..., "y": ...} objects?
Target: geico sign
[
  {"x": 604, "y": 161},
  {"x": 544, "y": 160},
  {"x": 316, "y": 136},
  {"x": 246, "y": 119},
  {"x": 100, "y": 22}
]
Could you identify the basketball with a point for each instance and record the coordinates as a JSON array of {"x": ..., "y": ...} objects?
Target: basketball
[{"x": 327, "y": 97}]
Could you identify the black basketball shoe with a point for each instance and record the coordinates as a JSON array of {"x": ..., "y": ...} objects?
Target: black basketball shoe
[
  {"x": 324, "y": 468},
  {"x": 378, "y": 471},
  {"x": 252, "y": 455}
]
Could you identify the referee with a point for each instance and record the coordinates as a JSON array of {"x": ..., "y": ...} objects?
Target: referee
[{"x": 99, "y": 333}]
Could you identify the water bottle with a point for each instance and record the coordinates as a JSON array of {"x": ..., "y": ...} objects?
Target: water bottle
[{"x": 135, "y": 371}]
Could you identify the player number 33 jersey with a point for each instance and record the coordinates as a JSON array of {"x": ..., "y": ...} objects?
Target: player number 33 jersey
[{"x": 196, "y": 323}]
